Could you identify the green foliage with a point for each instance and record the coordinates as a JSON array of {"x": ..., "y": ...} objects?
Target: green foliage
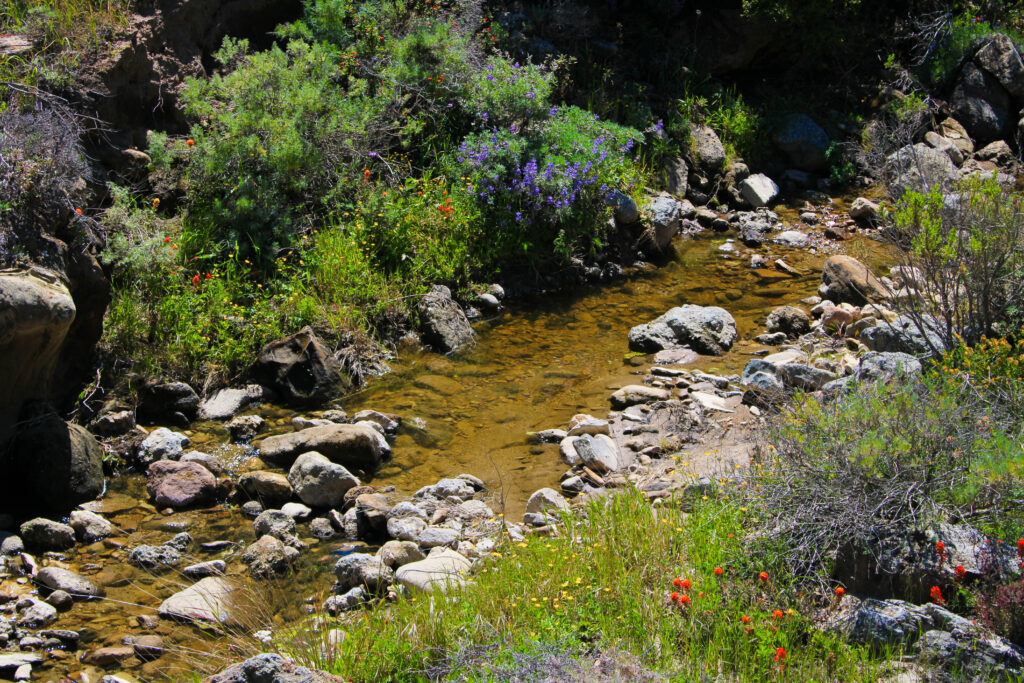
[
  {"x": 841, "y": 168},
  {"x": 741, "y": 127},
  {"x": 603, "y": 584},
  {"x": 951, "y": 42},
  {"x": 967, "y": 253}
]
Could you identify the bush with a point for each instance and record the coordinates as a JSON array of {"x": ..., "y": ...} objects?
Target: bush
[
  {"x": 966, "y": 252},
  {"x": 882, "y": 459},
  {"x": 947, "y": 38},
  {"x": 1002, "y": 610}
]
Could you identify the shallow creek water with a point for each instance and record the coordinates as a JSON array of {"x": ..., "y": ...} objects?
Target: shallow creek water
[{"x": 534, "y": 366}]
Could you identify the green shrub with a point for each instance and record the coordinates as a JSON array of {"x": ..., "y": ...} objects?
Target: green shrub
[
  {"x": 950, "y": 42},
  {"x": 966, "y": 250}
]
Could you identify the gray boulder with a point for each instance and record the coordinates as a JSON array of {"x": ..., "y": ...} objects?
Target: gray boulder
[
  {"x": 442, "y": 571},
  {"x": 361, "y": 569},
  {"x": 706, "y": 329},
  {"x": 759, "y": 190},
  {"x": 876, "y": 366},
  {"x": 981, "y": 104},
  {"x": 904, "y": 335},
  {"x": 623, "y": 208},
  {"x": 300, "y": 369},
  {"x": 89, "y": 527},
  {"x": 224, "y": 404},
  {"x": 634, "y": 394},
  {"x": 75, "y": 585},
  {"x": 269, "y": 557},
  {"x": 845, "y": 279},
  {"x": 271, "y": 668},
  {"x": 863, "y": 208},
  {"x": 443, "y": 323},
  {"x": 46, "y": 534},
  {"x": 675, "y": 176},
  {"x": 180, "y": 484},
  {"x": 354, "y": 446},
  {"x": 56, "y": 465},
  {"x": 163, "y": 400},
  {"x": 918, "y": 167},
  {"x": 271, "y": 488},
  {"x": 999, "y": 57},
  {"x": 34, "y": 613},
  {"x": 598, "y": 452},
  {"x": 804, "y": 377},
  {"x": 162, "y": 444},
  {"x": 666, "y": 215},
  {"x": 213, "y": 600},
  {"x": 791, "y": 320},
  {"x": 319, "y": 482},
  {"x": 707, "y": 148},
  {"x": 275, "y": 523},
  {"x": 803, "y": 141},
  {"x": 546, "y": 501}
]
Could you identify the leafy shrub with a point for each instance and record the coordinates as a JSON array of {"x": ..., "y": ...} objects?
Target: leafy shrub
[
  {"x": 1002, "y": 610},
  {"x": 883, "y": 458},
  {"x": 966, "y": 251},
  {"x": 948, "y": 38}
]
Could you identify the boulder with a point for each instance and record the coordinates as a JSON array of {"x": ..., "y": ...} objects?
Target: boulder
[
  {"x": 438, "y": 537},
  {"x": 951, "y": 129},
  {"x": 211, "y": 462},
  {"x": 275, "y": 523},
  {"x": 46, "y": 534},
  {"x": 623, "y": 208},
  {"x": 353, "y": 446},
  {"x": 271, "y": 488},
  {"x": 212, "y": 600},
  {"x": 918, "y": 167},
  {"x": 904, "y": 335},
  {"x": 845, "y": 279},
  {"x": 1000, "y": 154},
  {"x": 244, "y": 428},
  {"x": 203, "y": 569},
  {"x": 319, "y": 482},
  {"x": 803, "y": 141},
  {"x": 546, "y": 501},
  {"x": 599, "y": 453},
  {"x": 113, "y": 423},
  {"x": 399, "y": 553},
  {"x": 389, "y": 422},
  {"x": 444, "y": 325},
  {"x": 864, "y": 209},
  {"x": 300, "y": 369},
  {"x": 981, "y": 104},
  {"x": 634, "y": 394},
  {"x": 936, "y": 141},
  {"x": 180, "y": 484},
  {"x": 162, "y": 444},
  {"x": 225, "y": 403},
  {"x": 666, "y": 215},
  {"x": 33, "y": 613},
  {"x": 361, "y": 569},
  {"x": 53, "y": 465},
  {"x": 675, "y": 176},
  {"x": 875, "y": 366},
  {"x": 707, "y": 148},
  {"x": 271, "y": 668},
  {"x": 165, "y": 399},
  {"x": 706, "y": 329},
  {"x": 442, "y": 571},
  {"x": 56, "y": 578},
  {"x": 759, "y": 190},
  {"x": 792, "y": 238},
  {"x": 804, "y": 377},
  {"x": 269, "y": 557},
  {"x": 999, "y": 57},
  {"x": 791, "y": 320}
]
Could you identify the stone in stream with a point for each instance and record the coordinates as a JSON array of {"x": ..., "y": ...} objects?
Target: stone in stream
[
  {"x": 399, "y": 553},
  {"x": 444, "y": 325},
  {"x": 634, "y": 394},
  {"x": 271, "y": 668},
  {"x": 162, "y": 444},
  {"x": 441, "y": 571},
  {"x": 353, "y": 446},
  {"x": 211, "y": 600},
  {"x": 546, "y": 500},
  {"x": 759, "y": 190},
  {"x": 845, "y": 279},
  {"x": 389, "y": 422},
  {"x": 708, "y": 150},
  {"x": 180, "y": 484},
  {"x": 270, "y": 488},
  {"x": 301, "y": 369},
  {"x": 275, "y": 523},
  {"x": 56, "y": 578},
  {"x": 548, "y": 435},
  {"x": 269, "y": 557},
  {"x": 204, "y": 569},
  {"x": 567, "y": 449},
  {"x": 46, "y": 534},
  {"x": 244, "y": 428},
  {"x": 791, "y": 320},
  {"x": 599, "y": 453},
  {"x": 11, "y": 544},
  {"x": 225, "y": 403},
  {"x": 319, "y": 482},
  {"x": 705, "y": 329},
  {"x": 361, "y": 569},
  {"x": 864, "y": 209},
  {"x": 623, "y": 208},
  {"x": 438, "y": 536},
  {"x": 90, "y": 527},
  {"x": 60, "y": 600}
]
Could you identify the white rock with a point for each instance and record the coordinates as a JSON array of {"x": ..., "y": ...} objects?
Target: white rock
[
  {"x": 442, "y": 571},
  {"x": 759, "y": 190}
]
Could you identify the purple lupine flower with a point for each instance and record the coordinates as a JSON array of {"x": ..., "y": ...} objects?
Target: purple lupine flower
[{"x": 553, "y": 111}]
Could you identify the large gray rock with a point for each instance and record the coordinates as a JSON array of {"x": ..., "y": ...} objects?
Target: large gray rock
[
  {"x": 666, "y": 215},
  {"x": 224, "y": 404},
  {"x": 271, "y": 668},
  {"x": 301, "y": 369},
  {"x": 443, "y": 323},
  {"x": 275, "y": 523},
  {"x": 599, "y": 453},
  {"x": 75, "y": 585},
  {"x": 162, "y": 444},
  {"x": 707, "y": 148},
  {"x": 803, "y": 141},
  {"x": 46, "y": 534},
  {"x": 356, "y": 446},
  {"x": 804, "y": 377},
  {"x": 180, "y": 484},
  {"x": 443, "y": 570},
  {"x": 53, "y": 465},
  {"x": 1000, "y": 57},
  {"x": 759, "y": 190},
  {"x": 705, "y": 329},
  {"x": 623, "y": 208},
  {"x": 34, "y": 613},
  {"x": 361, "y": 569},
  {"x": 875, "y": 366},
  {"x": 918, "y": 167},
  {"x": 90, "y": 527},
  {"x": 845, "y": 279},
  {"x": 791, "y": 320},
  {"x": 165, "y": 399},
  {"x": 903, "y": 335},
  {"x": 319, "y": 482},
  {"x": 635, "y": 394},
  {"x": 546, "y": 501},
  {"x": 981, "y": 104},
  {"x": 269, "y": 557},
  {"x": 675, "y": 176},
  {"x": 213, "y": 600}
]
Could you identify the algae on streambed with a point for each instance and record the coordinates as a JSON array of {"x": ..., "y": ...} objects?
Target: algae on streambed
[{"x": 534, "y": 366}]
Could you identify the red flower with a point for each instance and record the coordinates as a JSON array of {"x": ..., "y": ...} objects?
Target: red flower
[
  {"x": 190, "y": 142},
  {"x": 763, "y": 576},
  {"x": 750, "y": 629},
  {"x": 960, "y": 572},
  {"x": 684, "y": 600},
  {"x": 685, "y": 584},
  {"x": 718, "y": 571},
  {"x": 1020, "y": 547},
  {"x": 195, "y": 279},
  {"x": 940, "y": 548},
  {"x": 745, "y": 619},
  {"x": 780, "y": 654},
  {"x": 78, "y": 211},
  {"x": 777, "y": 614},
  {"x": 840, "y": 591},
  {"x": 674, "y": 597},
  {"x": 936, "y": 594},
  {"x": 167, "y": 239},
  {"x": 677, "y": 582}
]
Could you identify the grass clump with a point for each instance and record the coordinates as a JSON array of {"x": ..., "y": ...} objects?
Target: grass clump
[{"x": 607, "y": 583}]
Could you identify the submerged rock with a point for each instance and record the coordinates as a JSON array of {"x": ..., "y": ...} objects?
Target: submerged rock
[
  {"x": 56, "y": 578},
  {"x": 211, "y": 600},
  {"x": 180, "y": 484},
  {"x": 46, "y": 534}
]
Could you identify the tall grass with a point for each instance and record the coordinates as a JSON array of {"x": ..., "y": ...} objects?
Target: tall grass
[{"x": 602, "y": 585}]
